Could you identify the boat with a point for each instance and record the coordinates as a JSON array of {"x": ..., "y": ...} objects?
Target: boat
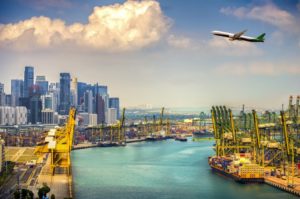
[
  {"x": 181, "y": 138},
  {"x": 202, "y": 134},
  {"x": 150, "y": 138},
  {"x": 241, "y": 170},
  {"x": 110, "y": 144}
]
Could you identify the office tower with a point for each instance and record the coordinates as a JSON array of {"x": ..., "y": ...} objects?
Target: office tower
[
  {"x": 100, "y": 109},
  {"x": 47, "y": 116},
  {"x": 114, "y": 102},
  {"x": 2, "y": 95},
  {"x": 74, "y": 92},
  {"x": 35, "y": 106},
  {"x": 100, "y": 89},
  {"x": 48, "y": 101},
  {"x": 65, "y": 93},
  {"x": 54, "y": 89},
  {"x": 93, "y": 119},
  {"x": 42, "y": 83},
  {"x": 16, "y": 91},
  {"x": 111, "y": 116},
  {"x": 8, "y": 100},
  {"x": 88, "y": 101},
  {"x": 28, "y": 80}
]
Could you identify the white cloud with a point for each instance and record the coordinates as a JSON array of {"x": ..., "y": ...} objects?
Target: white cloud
[
  {"x": 238, "y": 48},
  {"x": 119, "y": 27},
  {"x": 268, "y": 13},
  {"x": 257, "y": 68},
  {"x": 179, "y": 42}
]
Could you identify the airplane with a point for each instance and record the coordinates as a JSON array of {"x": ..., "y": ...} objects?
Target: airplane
[{"x": 239, "y": 36}]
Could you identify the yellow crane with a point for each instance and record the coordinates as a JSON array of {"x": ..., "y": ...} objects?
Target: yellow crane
[{"x": 59, "y": 144}]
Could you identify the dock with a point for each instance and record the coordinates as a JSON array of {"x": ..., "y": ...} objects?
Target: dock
[
  {"x": 60, "y": 184},
  {"x": 282, "y": 184}
]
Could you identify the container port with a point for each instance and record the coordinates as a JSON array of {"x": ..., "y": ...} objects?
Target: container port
[{"x": 258, "y": 148}]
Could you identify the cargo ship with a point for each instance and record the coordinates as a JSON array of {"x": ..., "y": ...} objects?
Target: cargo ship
[
  {"x": 239, "y": 169},
  {"x": 202, "y": 135}
]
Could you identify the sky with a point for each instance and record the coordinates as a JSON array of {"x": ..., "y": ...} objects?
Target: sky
[{"x": 158, "y": 52}]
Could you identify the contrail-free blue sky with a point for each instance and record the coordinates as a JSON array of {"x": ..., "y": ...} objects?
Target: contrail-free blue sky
[{"x": 158, "y": 52}]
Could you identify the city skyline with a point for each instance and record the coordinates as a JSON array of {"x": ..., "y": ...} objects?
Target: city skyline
[{"x": 180, "y": 64}]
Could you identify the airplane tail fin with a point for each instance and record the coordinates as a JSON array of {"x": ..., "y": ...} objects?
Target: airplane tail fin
[{"x": 261, "y": 37}]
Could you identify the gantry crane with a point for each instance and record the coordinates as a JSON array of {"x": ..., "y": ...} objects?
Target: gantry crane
[{"x": 59, "y": 143}]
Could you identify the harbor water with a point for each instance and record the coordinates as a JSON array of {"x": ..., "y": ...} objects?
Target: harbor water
[{"x": 161, "y": 170}]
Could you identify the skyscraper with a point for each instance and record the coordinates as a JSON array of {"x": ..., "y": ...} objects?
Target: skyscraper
[
  {"x": 114, "y": 102},
  {"x": 88, "y": 101},
  {"x": 2, "y": 95},
  {"x": 100, "y": 109},
  {"x": 65, "y": 93},
  {"x": 54, "y": 89},
  {"x": 28, "y": 80},
  {"x": 42, "y": 83},
  {"x": 16, "y": 91},
  {"x": 74, "y": 92}
]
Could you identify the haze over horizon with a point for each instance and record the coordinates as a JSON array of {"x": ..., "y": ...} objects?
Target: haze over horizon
[{"x": 158, "y": 52}]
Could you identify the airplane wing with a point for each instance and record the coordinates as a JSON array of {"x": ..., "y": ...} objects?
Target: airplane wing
[{"x": 223, "y": 34}]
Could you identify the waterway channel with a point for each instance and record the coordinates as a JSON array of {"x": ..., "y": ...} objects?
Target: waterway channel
[{"x": 161, "y": 170}]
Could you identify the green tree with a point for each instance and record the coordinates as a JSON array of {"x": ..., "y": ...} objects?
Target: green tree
[
  {"x": 26, "y": 194},
  {"x": 43, "y": 190}
]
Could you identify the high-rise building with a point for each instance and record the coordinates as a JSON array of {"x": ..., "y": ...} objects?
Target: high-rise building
[
  {"x": 2, "y": 95},
  {"x": 100, "y": 89},
  {"x": 93, "y": 119},
  {"x": 28, "y": 80},
  {"x": 47, "y": 116},
  {"x": 35, "y": 105},
  {"x": 114, "y": 102},
  {"x": 65, "y": 93},
  {"x": 48, "y": 101},
  {"x": 111, "y": 116},
  {"x": 16, "y": 91},
  {"x": 54, "y": 89},
  {"x": 42, "y": 83},
  {"x": 8, "y": 100},
  {"x": 100, "y": 109},
  {"x": 88, "y": 101},
  {"x": 74, "y": 92}
]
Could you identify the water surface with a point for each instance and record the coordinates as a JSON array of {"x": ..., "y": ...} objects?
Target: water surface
[{"x": 157, "y": 170}]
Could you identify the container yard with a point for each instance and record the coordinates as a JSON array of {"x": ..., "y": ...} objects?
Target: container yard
[{"x": 252, "y": 147}]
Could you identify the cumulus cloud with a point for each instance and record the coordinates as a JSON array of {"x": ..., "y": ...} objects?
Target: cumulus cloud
[
  {"x": 257, "y": 68},
  {"x": 179, "y": 41},
  {"x": 118, "y": 27},
  {"x": 268, "y": 13},
  {"x": 238, "y": 48}
]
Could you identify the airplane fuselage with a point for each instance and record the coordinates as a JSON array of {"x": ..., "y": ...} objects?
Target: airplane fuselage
[{"x": 239, "y": 36}]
